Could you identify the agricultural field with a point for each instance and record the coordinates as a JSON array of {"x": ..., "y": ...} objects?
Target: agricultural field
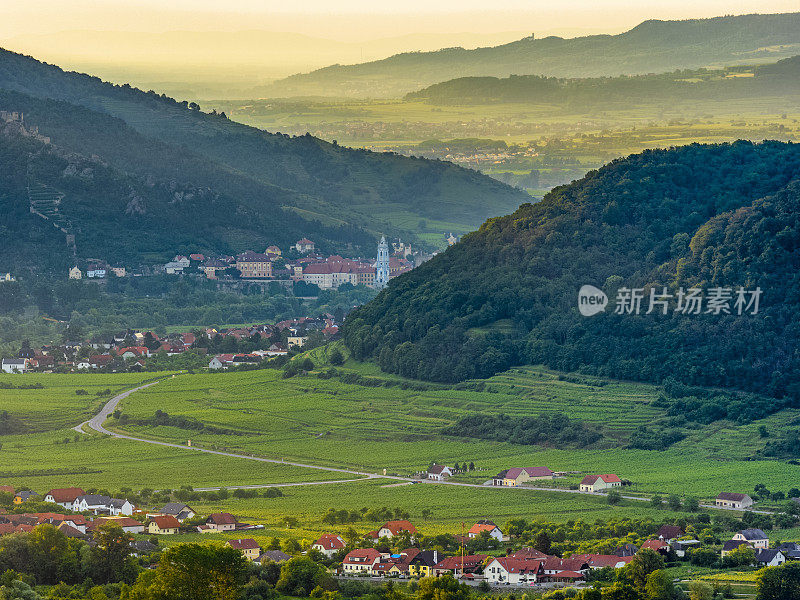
[{"x": 331, "y": 423}]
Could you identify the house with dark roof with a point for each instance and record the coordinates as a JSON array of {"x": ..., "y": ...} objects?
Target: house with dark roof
[
  {"x": 273, "y": 555},
  {"x": 439, "y": 472},
  {"x": 179, "y": 510},
  {"x": 755, "y": 537},
  {"x": 769, "y": 558},
  {"x": 733, "y": 500},
  {"x": 519, "y": 475},
  {"x": 731, "y": 545},
  {"x": 669, "y": 533},
  {"x": 25, "y": 495},
  {"x": 421, "y": 564},
  {"x": 626, "y": 550}
]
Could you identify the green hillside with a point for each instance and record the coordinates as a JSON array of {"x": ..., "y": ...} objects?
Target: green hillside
[
  {"x": 241, "y": 186},
  {"x": 705, "y": 216},
  {"x": 651, "y": 47},
  {"x": 779, "y": 79}
]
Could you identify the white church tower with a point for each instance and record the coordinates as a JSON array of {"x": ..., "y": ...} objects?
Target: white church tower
[{"x": 382, "y": 265}]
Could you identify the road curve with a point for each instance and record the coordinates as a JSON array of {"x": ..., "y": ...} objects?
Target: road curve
[{"x": 96, "y": 423}]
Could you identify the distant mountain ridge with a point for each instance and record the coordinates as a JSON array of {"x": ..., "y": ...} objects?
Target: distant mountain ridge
[
  {"x": 277, "y": 188},
  {"x": 778, "y": 79},
  {"x": 651, "y": 47}
]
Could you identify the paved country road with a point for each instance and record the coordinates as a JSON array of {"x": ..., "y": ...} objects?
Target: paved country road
[{"x": 96, "y": 423}]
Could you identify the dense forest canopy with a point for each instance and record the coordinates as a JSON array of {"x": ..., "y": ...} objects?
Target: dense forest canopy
[
  {"x": 778, "y": 79},
  {"x": 273, "y": 183},
  {"x": 652, "y": 47},
  {"x": 706, "y": 216}
]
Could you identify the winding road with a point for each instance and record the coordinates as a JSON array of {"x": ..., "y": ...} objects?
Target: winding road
[{"x": 96, "y": 424}]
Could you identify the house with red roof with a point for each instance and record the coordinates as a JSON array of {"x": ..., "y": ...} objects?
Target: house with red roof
[
  {"x": 329, "y": 544},
  {"x": 601, "y": 561},
  {"x": 554, "y": 565},
  {"x": 64, "y": 496},
  {"x": 247, "y": 546},
  {"x": 392, "y": 528},
  {"x": 133, "y": 352},
  {"x": 361, "y": 560},
  {"x": 595, "y": 483},
  {"x": 221, "y": 522},
  {"x": 489, "y": 527},
  {"x": 163, "y": 525},
  {"x": 659, "y": 546},
  {"x": 459, "y": 565}
]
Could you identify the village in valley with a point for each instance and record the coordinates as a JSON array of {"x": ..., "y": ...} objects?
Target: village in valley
[{"x": 483, "y": 553}]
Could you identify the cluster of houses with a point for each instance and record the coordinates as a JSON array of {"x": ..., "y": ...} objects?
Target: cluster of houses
[
  {"x": 131, "y": 349},
  {"x": 307, "y": 265}
]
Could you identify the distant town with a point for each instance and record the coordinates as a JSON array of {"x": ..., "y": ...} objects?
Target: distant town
[{"x": 300, "y": 262}]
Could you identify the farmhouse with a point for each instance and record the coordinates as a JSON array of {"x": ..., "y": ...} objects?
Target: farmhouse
[
  {"x": 247, "y": 546},
  {"x": 329, "y": 544},
  {"x": 734, "y": 500},
  {"x": 754, "y": 537},
  {"x": 163, "y": 525},
  {"x": 439, "y": 472},
  {"x": 519, "y": 475},
  {"x": 64, "y": 497},
  {"x": 595, "y": 483}
]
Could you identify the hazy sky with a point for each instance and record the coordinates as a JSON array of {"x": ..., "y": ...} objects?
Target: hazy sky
[{"x": 365, "y": 19}]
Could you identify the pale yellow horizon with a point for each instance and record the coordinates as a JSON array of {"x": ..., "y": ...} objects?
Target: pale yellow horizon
[{"x": 356, "y": 20}]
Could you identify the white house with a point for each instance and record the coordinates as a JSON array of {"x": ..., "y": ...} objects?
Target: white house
[
  {"x": 64, "y": 496},
  {"x": 733, "y": 500},
  {"x": 439, "y": 472},
  {"x": 770, "y": 558},
  {"x": 595, "y": 483},
  {"x": 96, "y": 272},
  {"x": 361, "y": 560},
  {"x": 99, "y": 504},
  {"x": 119, "y": 506},
  {"x": 14, "y": 365},
  {"x": 329, "y": 544},
  {"x": 513, "y": 571},
  {"x": 755, "y": 537},
  {"x": 493, "y": 530}
]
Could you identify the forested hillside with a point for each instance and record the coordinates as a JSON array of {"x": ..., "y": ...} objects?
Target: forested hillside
[
  {"x": 240, "y": 185},
  {"x": 651, "y": 47},
  {"x": 779, "y": 79},
  {"x": 705, "y": 216}
]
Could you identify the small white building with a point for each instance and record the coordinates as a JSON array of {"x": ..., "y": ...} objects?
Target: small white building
[
  {"x": 14, "y": 365},
  {"x": 329, "y": 544},
  {"x": 595, "y": 483},
  {"x": 439, "y": 472},
  {"x": 733, "y": 500}
]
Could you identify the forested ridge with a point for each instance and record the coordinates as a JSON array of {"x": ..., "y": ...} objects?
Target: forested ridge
[
  {"x": 282, "y": 178},
  {"x": 781, "y": 78},
  {"x": 721, "y": 215}
]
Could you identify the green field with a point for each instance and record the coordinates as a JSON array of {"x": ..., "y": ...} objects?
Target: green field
[{"x": 330, "y": 423}]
